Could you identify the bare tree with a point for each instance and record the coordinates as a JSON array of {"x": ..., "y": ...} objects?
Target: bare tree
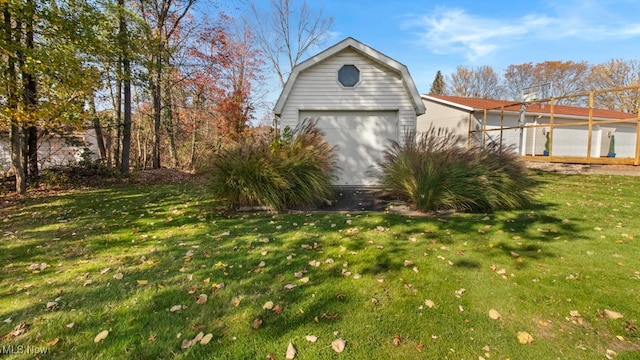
[
  {"x": 164, "y": 18},
  {"x": 617, "y": 73},
  {"x": 285, "y": 34},
  {"x": 567, "y": 77},
  {"x": 481, "y": 82}
]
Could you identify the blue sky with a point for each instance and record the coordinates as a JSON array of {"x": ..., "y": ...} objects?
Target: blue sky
[{"x": 428, "y": 36}]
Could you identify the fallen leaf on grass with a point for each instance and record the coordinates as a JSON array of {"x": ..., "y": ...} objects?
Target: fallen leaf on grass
[
  {"x": 430, "y": 304},
  {"x": 494, "y": 314},
  {"x": 70, "y": 325},
  {"x": 198, "y": 337},
  {"x": 142, "y": 282},
  {"x": 328, "y": 316},
  {"x": 175, "y": 308},
  {"x": 53, "y": 342},
  {"x": 268, "y": 305},
  {"x": 101, "y": 336},
  {"x": 338, "y": 345},
  {"x": 37, "y": 267},
  {"x": 311, "y": 338},
  {"x": 118, "y": 276},
  {"x": 206, "y": 339},
  {"x": 289, "y": 286},
  {"x": 524, "y": 337},
  {"x": 17, "y": 331},
  {"x": 397, "y": 340},
  {"x": 202, "y": 298},
  {"x": 235, "y": 301},
  {"x": 291, "y": 352},
  {"x": 256, "y": 323},
  {"x": 186, "y": 343},
  {"x": 613, "y": 314}
]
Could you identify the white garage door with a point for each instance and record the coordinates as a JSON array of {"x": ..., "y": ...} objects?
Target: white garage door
[{"x": 361, "y": 138}]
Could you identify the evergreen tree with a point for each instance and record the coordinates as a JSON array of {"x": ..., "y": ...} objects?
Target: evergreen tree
[{"x": 437, "y": 87}]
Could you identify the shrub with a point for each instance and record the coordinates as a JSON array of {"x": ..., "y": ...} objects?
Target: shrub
[
  {"x": 291, "y": 170},
  {"x": 434, "y": 171}
]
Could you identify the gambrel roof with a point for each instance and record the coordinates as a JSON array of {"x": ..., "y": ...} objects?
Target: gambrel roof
[{"x": 353, "y": 44}]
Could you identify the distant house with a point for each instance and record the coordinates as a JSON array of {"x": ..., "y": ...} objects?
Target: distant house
[
  {"x": 613, "y": 133},
  {"x": 359, "y": 97},
  {"x": 54, "y": 150}
]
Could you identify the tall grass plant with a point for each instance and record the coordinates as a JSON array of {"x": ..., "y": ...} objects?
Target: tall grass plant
[
  {"x": 435, "y": 171},
  {"x": 279, "y": 171}
]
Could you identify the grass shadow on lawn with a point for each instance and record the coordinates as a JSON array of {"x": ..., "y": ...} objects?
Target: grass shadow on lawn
[{"x": 368, "y": 275}]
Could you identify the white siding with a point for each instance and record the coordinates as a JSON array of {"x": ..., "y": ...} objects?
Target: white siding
[
  {"x": 444, "y": 116},
  {"x": 380, "y": 89}
]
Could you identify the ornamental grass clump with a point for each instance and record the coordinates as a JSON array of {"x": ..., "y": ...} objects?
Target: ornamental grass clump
[
  {"x": 291, "y": 170},
  {"x": 435, "y": 171}
]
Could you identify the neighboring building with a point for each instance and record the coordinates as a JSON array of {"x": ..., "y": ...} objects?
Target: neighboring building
[
  {"x": 465, "y": 116},
  {"x": 54, "y": 150},
  {"x": 359, "y": 97}
]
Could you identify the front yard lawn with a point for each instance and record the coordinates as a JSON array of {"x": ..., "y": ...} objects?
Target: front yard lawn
[{"x": 140, "y": 271}]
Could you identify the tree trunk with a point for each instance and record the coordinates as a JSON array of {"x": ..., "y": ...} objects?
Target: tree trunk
[
  {"x": 15, "y": 136},
  {"x": 156, "y": 94},
  {"x": 126, "y": 131},
  {"x": 98, "y": 129},
  {"x": 17, "y": 153},
  {"x": 169, "y": 128},
  {"x": 116, "y": 150},
  {"x": 194, "y": 139},
  {"x": 30, "y": 96}
]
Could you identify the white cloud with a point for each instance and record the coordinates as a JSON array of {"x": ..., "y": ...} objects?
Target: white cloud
[{"x": 454, "y": 31}]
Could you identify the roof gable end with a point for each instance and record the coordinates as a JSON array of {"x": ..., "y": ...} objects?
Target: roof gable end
[{"x": 351, "y": 43}]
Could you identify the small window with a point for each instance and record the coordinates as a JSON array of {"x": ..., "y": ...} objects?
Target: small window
[{"x": 349, "y": 75}]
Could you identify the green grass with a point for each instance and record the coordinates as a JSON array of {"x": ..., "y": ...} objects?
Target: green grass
[{"x": 578, "y": 247}]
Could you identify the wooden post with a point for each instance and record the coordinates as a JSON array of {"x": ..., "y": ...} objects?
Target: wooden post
[
  {"x": 551, "y": 122},
  {"x": 484, "y": 129},
  {"x": 501, "y": 125},
  {"x": 590, "y": 127},
  {"x": 470, "y": 129},
  {"x": 636, "y": 161}
]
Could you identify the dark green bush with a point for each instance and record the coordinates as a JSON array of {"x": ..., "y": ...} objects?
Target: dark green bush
[
  {"x": 291, "y": 170},
  {"x": 434, "y": 171}
]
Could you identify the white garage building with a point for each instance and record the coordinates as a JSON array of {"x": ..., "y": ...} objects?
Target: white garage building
[{"x": 359, "y": 97}]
